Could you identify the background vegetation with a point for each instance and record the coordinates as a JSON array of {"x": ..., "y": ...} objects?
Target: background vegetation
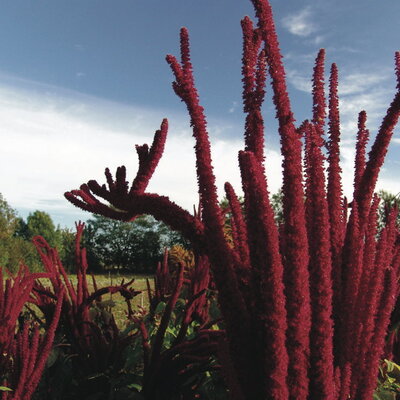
[{"x": 111, "y": 245}]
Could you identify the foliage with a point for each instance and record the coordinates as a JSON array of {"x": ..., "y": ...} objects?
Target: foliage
[
  {"x": 387, "y": 203},
  {"x": 13, "y": 248},
  {"x": 277, "y": 206},
  {"x": 389, "y": 381},
  {"x": 135, "y": 247},
  {"x": 167, "y": 353},
  {"x": 23, "y": 348},
  {"x": 8, "y": 218},
  {"x": 16, "y": 236}
]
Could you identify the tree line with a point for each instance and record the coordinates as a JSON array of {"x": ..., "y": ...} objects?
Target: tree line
[{"x": 111, "y": 245}]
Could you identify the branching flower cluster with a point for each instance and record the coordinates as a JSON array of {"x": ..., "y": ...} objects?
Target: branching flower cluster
[
  {"x": 23, "y": 352},
  {"x": 307, "y": 304}
]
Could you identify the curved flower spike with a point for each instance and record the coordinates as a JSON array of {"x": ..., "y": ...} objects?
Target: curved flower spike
[
  {"x": 125, "y": 204},
  {"x": 148, "y": 159}
]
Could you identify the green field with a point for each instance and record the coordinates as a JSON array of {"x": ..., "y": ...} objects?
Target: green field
[
  {"x": 120, "y": 308},
  {"x": 116, "y": 301}
]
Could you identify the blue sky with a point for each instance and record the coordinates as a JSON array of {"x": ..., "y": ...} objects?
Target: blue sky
[{"x": 81, "y": 82}]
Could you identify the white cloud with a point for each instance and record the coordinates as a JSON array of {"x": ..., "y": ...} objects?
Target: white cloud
[
  {"x": 386, "y": 180},
  {"x": 372, "y": 92},
  {"x": 319, "y": 39},
  {"x": 360, "y": 82},
  {"x": 53, "y": 141},
  {"x": 233, "y": 107},
  {"x": 299, "y": 81},
  {"x": 300, "y": 24}
]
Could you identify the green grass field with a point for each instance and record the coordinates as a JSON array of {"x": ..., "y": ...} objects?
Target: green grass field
[{"x": 119, "y": 307}]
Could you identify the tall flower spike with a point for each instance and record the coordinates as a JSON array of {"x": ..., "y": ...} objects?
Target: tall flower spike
[
  {"x": 148, "y": 159},
  {"x": 269, "y": 306},
  {"x": 296, "y": 258},
  {"x": 238, "y": 220},
  {"x": 351, "y": 273},
  {"x": 377, "y": 156},
  {"x": 321, "y": 372},
  {"x": 319, "y": 93},
  {"x": 362, "y": 140},
  {"x": 368, "y": 280},
  {"x": 254, "y": 75},
  {"x": 336, "y": 208},
  {"x": 122, "y": 203},
  {"x": 222, "y": 258},
  {"x": 397, "y": 63},
  {"x": 386, "y": 302}
]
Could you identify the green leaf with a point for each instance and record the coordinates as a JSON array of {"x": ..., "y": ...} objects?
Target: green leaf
[
  {"x": 53, "y": 356},
  {"x": 160, "y": 307},
  {"x": 135, "y": 386},
  {"x": 384, "y": 395},
  {"x": 5, "y": 389}
]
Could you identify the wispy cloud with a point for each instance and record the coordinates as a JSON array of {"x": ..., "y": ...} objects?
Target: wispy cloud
[
  {"x": 79, "y": 47},
  {"x": 52, "y": 141},
  {"x": 370, "y": 91},
  {"x": 300, "y": 23},
  {"x": 299, "y": 80},
  {"x": 233, "y": 107},
  {"x": 360, "y": 82},
  {"x": 318, "y": 40}
]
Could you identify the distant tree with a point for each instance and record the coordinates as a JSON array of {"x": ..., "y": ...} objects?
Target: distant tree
[
  {"x": 388, "y": 201},
  {"x": 22, "y": 251},
  {"x": 14, "y": 250},
  {"x": 135, "y": 246},
  {"x": 41, "y": 223},
  {"x": 66, "y": 248},
  {"x": 8, "y": 218},
  {"x": 277, "y": 206}
]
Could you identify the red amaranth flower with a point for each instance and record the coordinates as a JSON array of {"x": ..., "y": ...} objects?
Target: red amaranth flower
[
  {"x": 362, "y": 140},
  {"x": 318, "y": 91},
  {"x": 320, "y": 267},
  {"x": 264, "y": 279}
]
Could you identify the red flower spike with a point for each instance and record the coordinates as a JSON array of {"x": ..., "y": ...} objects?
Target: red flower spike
[
  {"x": 397, "y": 68},
  {"x": 362, "y": 140},
  {"x": 269, "y": 306},
  {"x": 166, "y": 317},
  {"x": 351, "y": 273},
  {"x": 384, "y": 308},
  {"x": 376, "y": 157},
  {"x": 319, "y": 93},
  {"x": 321, "y": 372},
  {"x": 254, "y": 75},
  {"x": 364, "y": 301},
  {"x": 241, "y": 244},
  {"x": 296, "y": 260},
  {"x": 336, "y": 207},
  {"x": 220, "y": 254},
  {"x": 148, "y": 161}
]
